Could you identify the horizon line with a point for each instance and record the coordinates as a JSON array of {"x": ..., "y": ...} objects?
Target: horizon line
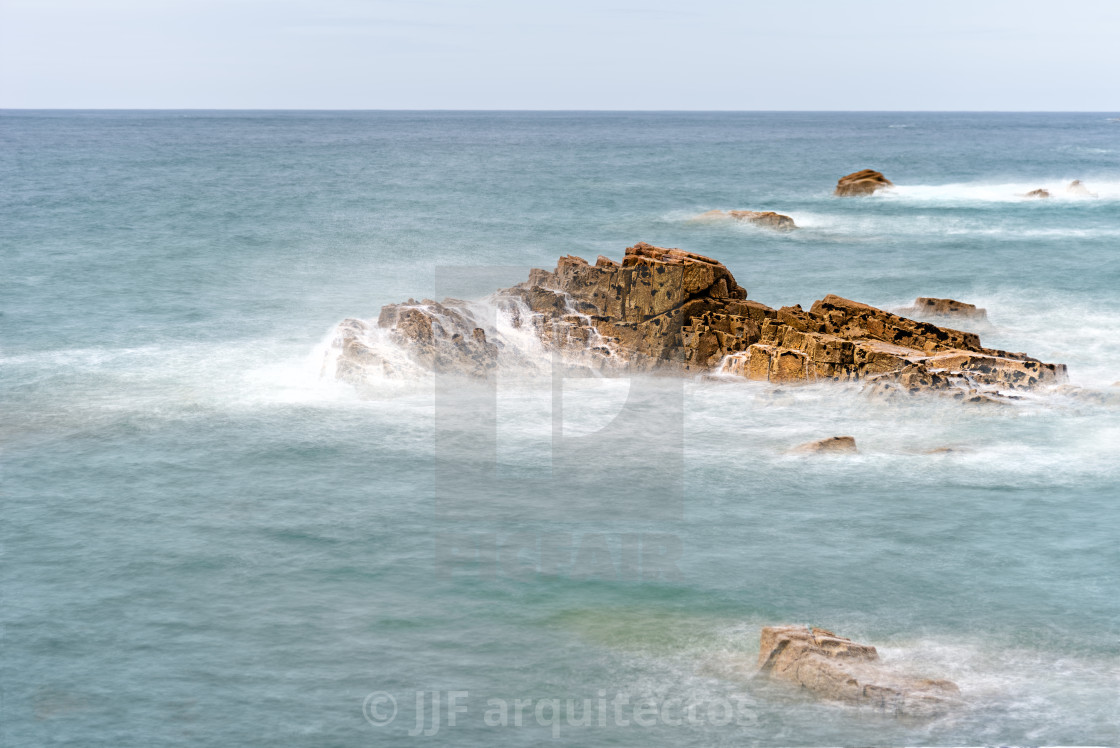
[{"x": 543, "y": 110}]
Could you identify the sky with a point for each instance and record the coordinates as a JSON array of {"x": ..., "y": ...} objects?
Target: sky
[{"x": 1022, "y": 55}]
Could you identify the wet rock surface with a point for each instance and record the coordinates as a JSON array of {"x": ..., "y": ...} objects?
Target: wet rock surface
[{"x": 837, "y": 669}]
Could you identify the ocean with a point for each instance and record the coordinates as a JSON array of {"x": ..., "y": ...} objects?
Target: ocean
[{"x": 209, "y": 540}]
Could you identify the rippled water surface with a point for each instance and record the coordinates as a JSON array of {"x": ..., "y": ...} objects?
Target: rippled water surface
[{"x": 207, "y": 542}]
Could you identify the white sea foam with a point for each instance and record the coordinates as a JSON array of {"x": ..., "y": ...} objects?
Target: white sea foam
[
  {"x": 963, "y": 193},
  {"x": 874, "y": 227}
]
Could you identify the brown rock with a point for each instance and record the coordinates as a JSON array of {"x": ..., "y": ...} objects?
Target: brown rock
[
  {"x": 859, "y": 183},
  {"x": 838, "y": 669},
  {"x": 658, "y": 308},
  {"x": 768, "y": 219},
  {"x": 930, "y": 307},
  {"x": 844, "y": 340},
  {"x": 1038, "y": 193},
  {"x": 833, "y": 444}
]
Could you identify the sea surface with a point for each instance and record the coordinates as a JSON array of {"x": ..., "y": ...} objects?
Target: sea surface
[{"x": 208, "y": 540}]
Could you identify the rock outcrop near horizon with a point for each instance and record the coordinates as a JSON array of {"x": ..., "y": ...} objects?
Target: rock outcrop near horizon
[
  {"x": 1077, "y": 188},
  {"x": 859, "y": 183},
  {"x": 672, "y": 310},
  {"x": 831, "y": 445},
  {"x": 925, "y": 306},
  {"x": 835, "y": 668},
  {"x": 767, "y": 219}
]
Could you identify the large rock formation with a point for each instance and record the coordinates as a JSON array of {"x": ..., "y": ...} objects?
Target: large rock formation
[
  {"x": 668, "y": 309},
  {"x": 859, "y": 183},
  {"x": 832, "y": 667},
  {"x": 767, "y": 219}
]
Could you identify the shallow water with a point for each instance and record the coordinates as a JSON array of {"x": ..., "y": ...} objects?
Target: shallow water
[{"x": 207, "y": 542}]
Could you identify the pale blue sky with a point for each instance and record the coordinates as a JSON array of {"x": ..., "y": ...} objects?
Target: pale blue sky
[{"x": 577, "y": 54}]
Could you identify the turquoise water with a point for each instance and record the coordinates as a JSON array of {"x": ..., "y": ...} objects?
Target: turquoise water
[{"x": 207, "y": 542}]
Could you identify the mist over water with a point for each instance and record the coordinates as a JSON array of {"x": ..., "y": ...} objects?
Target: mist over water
[{"x": 209, "y": 540}]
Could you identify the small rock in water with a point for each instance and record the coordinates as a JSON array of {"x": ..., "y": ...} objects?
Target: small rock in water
[
  {"x": 931, "y": 307},
  {"x": 1038, "y": 193},
  {"x": 858, "y": 183},
  {"x": 768, "y": 219},
  {"x": 1077, "y": 188},
  {"x": 833, "y": 444},
  {"x": 835, "y": 668}
]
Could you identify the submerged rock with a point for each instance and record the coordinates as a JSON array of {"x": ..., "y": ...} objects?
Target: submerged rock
[
  {"x": 1038, "y": 193},
  {"x": 768, "y": 219},
  {"x": 925, "y": 306},
  {"x": 667, "y": 309},
  {"x": 944, "y": 450},
  {"x": 833, "y": 444},
  {"x": 1077, "y": 188},
  {"x": 864, "y": 182},
  {"x": 838, "y": 669}
]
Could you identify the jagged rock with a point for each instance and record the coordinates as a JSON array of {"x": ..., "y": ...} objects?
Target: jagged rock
[
  {"x": 838, "y": 669},
  {"x": 833, "y": 444},
  {"x": 670, "y": 309},
  {"x": 865, "y": 182},
  {"x": 930, "y": 307},
  {"x": 442, "y": 337},
  {"x": 769, "y": 219},
  {"x": 1038, "y": 193},
  {"x": 1077, "y": 188},
  {"x": 844, "y": 340},
  {"x": 647, "y": 307}
]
